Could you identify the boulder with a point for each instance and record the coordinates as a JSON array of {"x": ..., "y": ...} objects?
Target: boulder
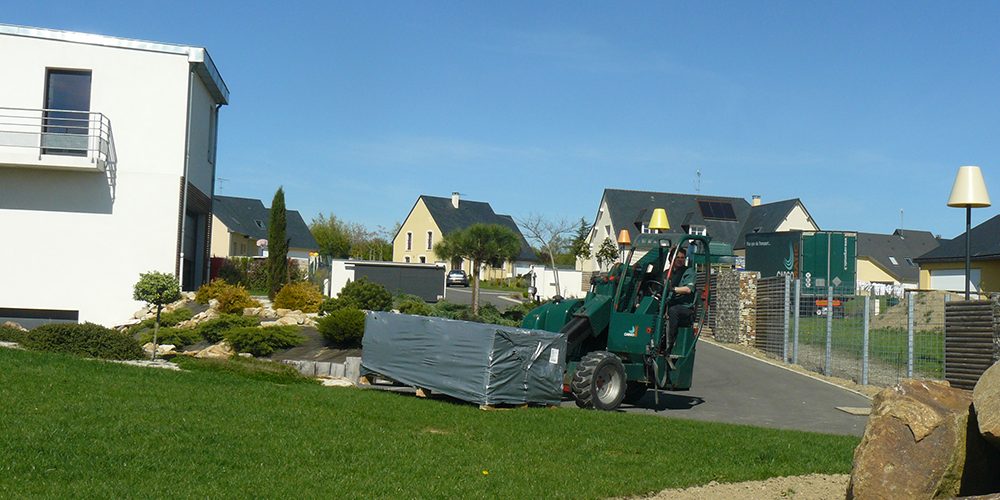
[
  {"x": 213, "y": 303},
  {"x": 286, "y": 320},
  {"x": 252, "y": 311},
  {"x": 917, "y": 445},
  {"x": 220, "y": 350},
  {"x": 986, "y": 401},
  {"x": 13, "y": 326},
  {"x": 161, "y": 350}
]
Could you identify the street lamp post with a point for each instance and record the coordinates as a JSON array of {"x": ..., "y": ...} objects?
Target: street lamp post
[{"x": 969, "y": 191}]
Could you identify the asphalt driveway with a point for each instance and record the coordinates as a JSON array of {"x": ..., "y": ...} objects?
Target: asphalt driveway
[
  {"x": 460, "y": 295},
  {"x": 736, "y": 388}
]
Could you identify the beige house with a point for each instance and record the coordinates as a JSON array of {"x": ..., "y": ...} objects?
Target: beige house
[
  {"x": 888, "y": 259},
  {"x": 944, "y": 267},
  {"x": 239, "y": 223},
  {"x": 432, "y": 217}
]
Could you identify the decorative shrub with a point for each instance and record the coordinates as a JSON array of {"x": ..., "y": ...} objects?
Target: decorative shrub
[
  {"x": 11, "y": 335},
  {"x": 418, "y": 308},
  {"x": 214, "y": 330},
  {"x": 87, "y": 339},
  {"x": 179, "y": 337},
  {"x": 333, "y": 304},
  {"x": 172, "y": 318},
  {"x": 235, "y": 299},
  {"x": 343, "y": 326},
  {"x": 209, "y": 291},
  {"x": 230, "y": 272},
  {"x": 364, "y": 294},
  {"x": 264, "y": 341},
  {"x": 302, "y": 295}
]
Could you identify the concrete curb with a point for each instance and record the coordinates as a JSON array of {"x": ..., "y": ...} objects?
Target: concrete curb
[{"x": 784, "y": 367}]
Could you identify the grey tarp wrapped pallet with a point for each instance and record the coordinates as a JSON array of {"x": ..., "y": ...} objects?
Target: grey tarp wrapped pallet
[{"x": 476, "y": 362}]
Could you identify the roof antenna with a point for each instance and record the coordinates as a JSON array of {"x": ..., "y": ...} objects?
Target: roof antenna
[
  {"x": 901, "y": 218},
  {"x": 220, "y": 180},
  {"x": 697, "y": 181}
]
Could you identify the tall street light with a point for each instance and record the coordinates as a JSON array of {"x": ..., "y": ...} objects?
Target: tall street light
[{"x": 969, "y": 191}]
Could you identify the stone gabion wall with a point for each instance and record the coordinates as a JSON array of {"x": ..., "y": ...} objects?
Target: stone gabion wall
[
  {"x": 727, "y": 310},
  {"x": 748, "y": 307}
]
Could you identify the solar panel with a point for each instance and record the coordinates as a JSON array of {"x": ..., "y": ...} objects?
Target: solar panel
[{"x": 720, "y": 210}]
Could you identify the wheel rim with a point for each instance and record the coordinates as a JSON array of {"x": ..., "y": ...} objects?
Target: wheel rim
[{"x": 608, "y": 384}]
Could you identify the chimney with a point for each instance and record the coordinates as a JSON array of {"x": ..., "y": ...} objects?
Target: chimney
[
  {"x": 454, "y": 199},
  {"x": 756, "y": 200}
]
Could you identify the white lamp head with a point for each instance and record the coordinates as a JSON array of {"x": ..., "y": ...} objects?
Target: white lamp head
[{"x": 969, "y": 189}]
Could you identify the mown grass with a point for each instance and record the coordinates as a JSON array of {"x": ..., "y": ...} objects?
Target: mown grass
[
  {"x": 888, "y": 345},
  {"x": 80, "y": 428}
]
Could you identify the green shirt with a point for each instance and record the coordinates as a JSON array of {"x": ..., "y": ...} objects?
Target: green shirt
[{"x": 687, "y": 299}]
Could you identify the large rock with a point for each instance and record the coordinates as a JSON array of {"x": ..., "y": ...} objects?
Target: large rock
[
  {"x": 220, "y": 350},
  {"x": 13, "y": 326},
  {"x": 986, "y": 400},
  {"x": 161, "y": 349},
  {"x": 918, "y": 444}
]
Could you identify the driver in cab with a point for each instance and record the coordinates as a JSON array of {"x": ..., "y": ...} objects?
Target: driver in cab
[{"x": 680, "y": 305}]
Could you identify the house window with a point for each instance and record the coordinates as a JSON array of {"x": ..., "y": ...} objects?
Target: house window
[
  {"x": 607, "y": 230},
  {"x": 644, "y": 230},
  {"x": 260, "y": 223},
  {"x": 909, "y": 261},
  {"x": 409, "y": 241},
  {"x": 406, "y": 259},
  {"x": 66, "y": 124},
  {"x": 699, "y": 230},
  {"x": 893, "y": 260},
  {"x": 423, "y": 259},
  {"x": 430, "y": 239}
]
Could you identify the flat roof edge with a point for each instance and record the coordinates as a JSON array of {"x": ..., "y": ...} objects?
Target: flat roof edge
[{"x": 204, "y": 65}]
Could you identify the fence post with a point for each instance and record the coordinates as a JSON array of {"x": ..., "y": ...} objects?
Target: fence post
[
  {"x": 864, "y": 355},
  {"x": 784, "y": 325},
  {"x": 944, "y": 345},
  {"x": 798, "y": 307},
  {"x": 909, "y": 335},
  {"x": 828, "y": 370}
]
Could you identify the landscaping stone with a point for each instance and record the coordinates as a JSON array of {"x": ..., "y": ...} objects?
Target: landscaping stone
[
  {"x": 323, "y": 368},
  {"x": 161, "y": 349},
  {"x": 986, "y": 401},
  {"x": 917, "y": 445},
  {"x": 220, "y": 350},
  {"x": 252, "y": 311},
  {"x": 335, "y": 382},
  {"x": 352, "y": 368},
  {"x": 14, "y": 326}
]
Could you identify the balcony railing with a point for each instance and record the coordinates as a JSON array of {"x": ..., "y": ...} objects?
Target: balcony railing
[{"x": 55, "y": 138}]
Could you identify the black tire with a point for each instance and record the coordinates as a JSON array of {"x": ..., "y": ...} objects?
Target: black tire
[
  {"x": 599, "y": 381},
  {"x": 634, "y": 392}
]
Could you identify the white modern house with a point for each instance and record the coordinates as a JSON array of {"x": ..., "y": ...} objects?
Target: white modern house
[{"x": 107, "y": 168}]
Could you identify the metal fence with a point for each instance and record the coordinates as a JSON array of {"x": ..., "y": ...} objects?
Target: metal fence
[{"x": 865, "y": 338}]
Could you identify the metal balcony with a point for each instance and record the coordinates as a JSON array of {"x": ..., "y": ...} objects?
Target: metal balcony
[{"x": 56, "y": 138}]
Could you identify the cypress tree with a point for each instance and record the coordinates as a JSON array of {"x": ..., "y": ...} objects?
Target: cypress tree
[{"x": 277, "y": 245}]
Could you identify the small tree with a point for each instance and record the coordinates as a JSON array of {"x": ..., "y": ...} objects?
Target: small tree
[
  {"x": 607, "y": 253},
  {"x": 277, "y": 245},
  {"x": 550, "y": 235},
  {"x": 491, "y": 244},
  {"x": 156, "y": 289},
  {"x": 580, "y": 248}
]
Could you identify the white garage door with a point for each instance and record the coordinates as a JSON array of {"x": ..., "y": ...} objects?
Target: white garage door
[{"x": 954, "y": 279}]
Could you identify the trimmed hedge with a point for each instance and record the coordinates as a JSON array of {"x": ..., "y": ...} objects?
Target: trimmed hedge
[
  {"x": 214, "y": 330},
  {"x": 264, "y": 341},
  {"x": 343, "y": 326},
  {"x": 360, "y": 294},
  {"x": 179, "y": 337},
  {"x": 87, "y": 339}
]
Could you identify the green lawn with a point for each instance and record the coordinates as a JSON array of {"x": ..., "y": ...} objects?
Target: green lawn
[{"x": 73, "y": 427}]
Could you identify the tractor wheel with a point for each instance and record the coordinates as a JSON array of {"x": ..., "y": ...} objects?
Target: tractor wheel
[
  {"x": 599, "y": 381},
  {"x": 634, "y": 392}
]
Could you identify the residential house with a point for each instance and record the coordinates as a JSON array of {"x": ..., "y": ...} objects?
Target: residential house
[
  {"x": 238, "y": 224},
  {"x": 433, "y": 217},
  {"x": 774, "y": 217},
  {"x": 943, "y": 268},
  {"x": 107, "y": 169},
  {"x": 888, "y": 259}
]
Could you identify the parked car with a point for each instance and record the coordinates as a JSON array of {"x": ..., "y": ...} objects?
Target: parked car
[{"x": 457, "y": 277}]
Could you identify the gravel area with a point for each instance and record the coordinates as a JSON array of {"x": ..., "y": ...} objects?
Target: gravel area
[{"x": 811, "y": 487}]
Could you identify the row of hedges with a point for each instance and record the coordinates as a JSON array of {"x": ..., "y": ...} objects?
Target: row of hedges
[{"x": 85, "y": 339}]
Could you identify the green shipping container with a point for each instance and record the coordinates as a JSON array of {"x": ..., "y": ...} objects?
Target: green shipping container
[{"x": 819, "y": 259}]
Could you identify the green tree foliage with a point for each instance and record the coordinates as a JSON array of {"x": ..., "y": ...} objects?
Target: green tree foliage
[
  {"x": 332, "y": 236},
  {"x": 341, "y": 239},
  {"x": 490, "y": 244},
  {"x": 579, "y": 247},
  {"x": 156, "y": 289},
  {"x": 360, "y": 294},
  {"x": 277, "y": 245},
  {"x": 607, "y": 253}
]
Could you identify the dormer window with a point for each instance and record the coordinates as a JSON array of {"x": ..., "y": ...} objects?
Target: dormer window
[
  {"x": 260, "y": 223},
  {"x": 893, "y": 260}
]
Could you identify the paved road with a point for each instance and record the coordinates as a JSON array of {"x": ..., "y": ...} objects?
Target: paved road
[
  {"x": 732, "y": 387},
  {"x": 461, "y": 295}
]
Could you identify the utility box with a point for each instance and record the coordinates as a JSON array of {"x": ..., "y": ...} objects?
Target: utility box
[{"x": 820, "y": 259}]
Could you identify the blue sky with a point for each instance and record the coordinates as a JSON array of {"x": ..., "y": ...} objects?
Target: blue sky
[{"x": 860, "y": 109}]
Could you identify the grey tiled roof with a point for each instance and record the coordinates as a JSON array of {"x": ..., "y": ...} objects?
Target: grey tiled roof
[
  {"x": 900, "y": 245},
  {"x": 450, "y": 219},
  {"x": 765, "y": 219},
  {"x": 626, "y": 208},
  {"x": 241, "y": 215},
  {"x": 985, "y": 245}
]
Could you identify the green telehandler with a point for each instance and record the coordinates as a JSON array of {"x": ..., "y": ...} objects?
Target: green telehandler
[{"x": 616, "y": 345}]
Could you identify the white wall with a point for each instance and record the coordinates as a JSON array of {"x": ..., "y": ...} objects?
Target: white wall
[
  {"x": 81, "y": 242},
  {"x": 570, "y": 283}
]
